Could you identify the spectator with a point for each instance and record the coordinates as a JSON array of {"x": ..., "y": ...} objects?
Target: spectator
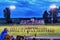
[
  {"x": 20, "y": 38},
  {"x": 17, "y": 38},
  {"x": 29, "y": 39},
  {"x": 7, "y": 37},
  {"x": 33, "y": 39},
  {"x": 4, "y": 32},
  {"x": 12, "y": 38}
]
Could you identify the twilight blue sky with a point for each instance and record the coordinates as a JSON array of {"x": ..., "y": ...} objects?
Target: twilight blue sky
[{"x": 27, "y": 8}]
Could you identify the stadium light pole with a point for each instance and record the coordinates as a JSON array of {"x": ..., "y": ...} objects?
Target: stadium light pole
[{"x": 52, "y": 8}]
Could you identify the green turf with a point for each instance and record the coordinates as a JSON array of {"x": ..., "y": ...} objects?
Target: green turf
[{"x": 39, "y": 30}]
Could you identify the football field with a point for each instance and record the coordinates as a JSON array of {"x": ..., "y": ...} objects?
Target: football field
[{"x": 33, "y": 30}]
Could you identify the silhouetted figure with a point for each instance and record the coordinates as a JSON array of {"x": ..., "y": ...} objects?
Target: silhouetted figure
[
  {"x": 45, "y": 16},
  {"x": 7, "y": 15},
  {"x": 33, "y": 39},
  {"x": 12, "y": 38},
  {"x": 19, "y": 38}
]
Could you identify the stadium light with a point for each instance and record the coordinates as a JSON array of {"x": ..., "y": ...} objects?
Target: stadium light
[
  {"x": 53, "y": 6},
  {"x": 12, "y": 7}
]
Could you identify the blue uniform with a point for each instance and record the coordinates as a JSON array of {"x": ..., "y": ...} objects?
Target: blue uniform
[{"x": 4, "y": 32}]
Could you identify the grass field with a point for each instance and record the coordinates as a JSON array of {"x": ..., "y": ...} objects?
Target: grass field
[{"x": 31, "y": 30}]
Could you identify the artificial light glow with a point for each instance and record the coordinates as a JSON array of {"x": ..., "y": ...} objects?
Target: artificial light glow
[
  {"x": 12, "y": 7},
  {"x": 53, "y": 6}
]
